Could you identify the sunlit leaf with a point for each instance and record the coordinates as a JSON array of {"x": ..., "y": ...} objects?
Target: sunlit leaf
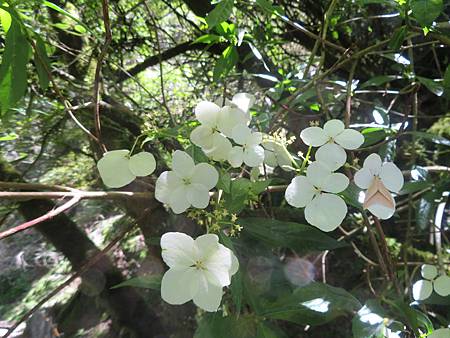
[
  {"x": 220, "y": 13},
  {"x": 146, "y": 282},
  {"x": 425, "y": 11}
]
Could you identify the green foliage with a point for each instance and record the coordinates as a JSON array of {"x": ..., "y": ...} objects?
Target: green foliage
[
  {"x": 220, "y": 13},
  {"x": 147, "y": 282},
  {"x": 425, "y": 11},
  {"x": 42, "y": 63},
  {"x": 225, "y": 63}
]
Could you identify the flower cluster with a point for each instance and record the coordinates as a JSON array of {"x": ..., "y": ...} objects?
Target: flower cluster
[
  {"x": 220, "y": 123},
  {"x": 199, "y": 269},
  {"x": 117, "y": 168},
  {"x": 423, "y": 288},
  {"x": 379, "y": 179}
]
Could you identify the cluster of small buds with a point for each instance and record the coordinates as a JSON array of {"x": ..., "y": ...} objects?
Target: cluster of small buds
[{"x": 216, "y": 220}]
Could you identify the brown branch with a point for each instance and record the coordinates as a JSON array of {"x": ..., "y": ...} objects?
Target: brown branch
[
  {"x": 101, "y": 57},
  {"x": 34, "y": 186},
  {"x": 77, "y": 274},
  {"x": 52, "y": 213}
]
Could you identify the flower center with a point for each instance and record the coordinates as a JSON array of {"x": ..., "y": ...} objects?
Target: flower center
[
  {"x": 331, "y": 140},
  {"x": 186, "y": 181},
  {"x": 199, "y": 265}
]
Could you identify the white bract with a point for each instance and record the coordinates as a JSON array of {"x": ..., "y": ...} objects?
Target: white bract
[
  {"x": 276, "y": 154},
  {"x": 187, "y": 184},
  {"x": 118, "y": 169},
  {"x": 217, "y": 124},
  {"x": 249, "y": 150},
  {"x": 199, "y": 269},
  {"x": 316, "y": 192},
  {"x": 243, "y": 101},
  {"x": 332, "y": 139},
  {"x": 379, "y": 179},
  {"x": 423, "y": 288}
]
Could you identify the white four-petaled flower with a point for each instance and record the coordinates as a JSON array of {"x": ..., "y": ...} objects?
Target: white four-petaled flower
[
  {"x": 117, "y": 168},
  {"x": 423, "y": 288},
  {"x": 379, "y": 179},
  {"x": 276, "y": 154},
  {"x": 332, "y": 139},
  {"x": 316, "y": 191},
  {"x": 187, "y": 184},
  {"x": 249, "y": 150},
  {"x": 199, "y": 269}
]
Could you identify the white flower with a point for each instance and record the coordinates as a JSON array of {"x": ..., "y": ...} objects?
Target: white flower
[
  {"x": 440, "y": 333},
  {"x": 249, "y": 151},
  {"x": 276, "y": 154},
  {"x": 243, "y": 101},
  {"x": 316, "y": 191},
  {"x": 216, "y": 123},
  {"x": 118, "y": 169},
  {"x": 423, "y": 288},
  {"x": 187, "y": 184},
  {"x": 332, "y": 140},
  {"x": 379, "y": 178},
  {"x": 199, "y": 269}
]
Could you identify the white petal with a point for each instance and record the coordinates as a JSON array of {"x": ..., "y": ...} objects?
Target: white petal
[
  {"x": 253, "y": 155},
  {"x": 440, "y": 333},
  {"x": 314, "y": 136},
  {"x": 317, "y": 173},
  {"x": 243, "y": 101},
  {"x": 197, "y": 195},
  {"x": 363, "y": 178},
  {"x": 221, "y": 102},
  {"x": 206, "y": 245},
  {"x": 373, "y": 163},
  {"x": 270, "y": 159},
  {"x": 234, "y": 264},
  {"x": 220, "y": 148},
  {"x": 241, "y": 134},
  {"x": 178, "y": 250},
  {"x": 392, "y": 177},
  {"x": 335, "y": 183},
  {"x": 428, "y": 271},
  {"x": 381, "y": 211},
  {"x": 326, "y": 212},
  {"x": 218, "y": 266},
  {"x": 331, "y": 154},
  {"x": 142, "y": 164},
  {"x": 206, "y": 175},
  {"x": 333, "y": 128},
  {"x": 166, "y": 183},
  {"x": 178, "y": 201},
  {"x": 236, "y": 157},
  {"x": 442, "y": 285},
  {"x": 299, "y": 192},
  {"x": 350, "y": 139},
  {"x": 114, "y": 170},
  {"x": 231, "y": 117},
  {"x": 254, "y": 139},
  {"x": 202, "y": 136},
  {"x": 208, "y": 296},
  {"x": 422, "y": 289},
  {"x": 177, "y": 286},
  {"x": 182, "y": 163},
  {"x": 207, "y": 113}
]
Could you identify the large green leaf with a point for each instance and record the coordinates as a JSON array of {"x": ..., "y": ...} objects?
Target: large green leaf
[
  {"x": 217, "y": 326},
  {"x": 425, "y": 11},
  {"x": 369, "y": 321},
  {"x": 220, "y": 13},
  {"x": 435, "y": 87},
  {"x": 225, "y": 63},
  {"x": 13, "y": 71},
  {"x": 299, "y": 237},
  {"x": 314, "y": 304}
]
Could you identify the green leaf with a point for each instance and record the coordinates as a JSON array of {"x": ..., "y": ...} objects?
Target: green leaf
[
  {"x": 13, "y": 71},
  {"x": 5, "y": 20},
  {"x": 430, "y": 137},
  {"x": 276, "y": 234},
  {"x": 42, "y": 63},
  {"x": 239, "y": 193},
  {"x": 425, "y": 11},
  {"x": 264, "y": 330},
  {"x": 435, "y": 87},
  {"x": 397, "y": 38},
  {"x": 64, "y": 12},
  {"x": 314, "y": 304},
  {"x": 220, "y": 13},
  {"x": 447, "y": 82},
  {"x": 208, "y": 38},
  {"x": 216, "y": 326},
  {"x": 146, "y": 282},
  {"x": 369, "y": 321},
  {"x": 373, "y": 136},
  {"x": 225, "y": 63},
  {"x": 412, "y": 187},
  {"x": 379, "y": 80}
]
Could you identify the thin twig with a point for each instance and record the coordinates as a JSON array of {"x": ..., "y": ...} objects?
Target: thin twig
[
  {"x": 81, "y": 194},
  {"x": 98, "y": 68}
]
